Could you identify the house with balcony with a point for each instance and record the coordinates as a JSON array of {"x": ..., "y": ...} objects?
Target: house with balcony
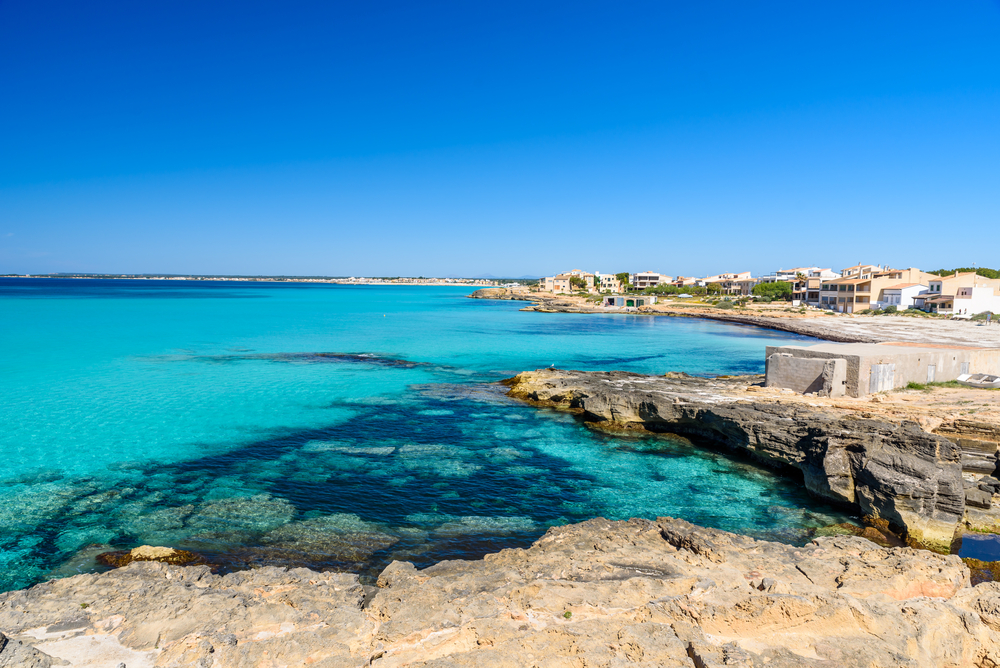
[
  {"x": 733, "y": 284},
  {"x": 608, "y": 283},
  {"x": 648, "y": 279},
  {"x": 901, "y": 295},
  {"x": 562, "y": 283},
  {"x": 966, "y": 293},
  {"x": 861, "y": 287},
  {"x": 687, "y": 281},
  {"x": 806, "y": 282}
]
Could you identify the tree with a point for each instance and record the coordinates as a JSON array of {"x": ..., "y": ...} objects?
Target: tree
[
  {"x": 776, "y": 290},
  {"x": 982, "y": 271},
  {"x": 577, "y": 282},
  {"x": 713, "y": 289}
]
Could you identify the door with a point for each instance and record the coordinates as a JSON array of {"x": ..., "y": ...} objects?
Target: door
[
  {"x": 882, "y": 377},
  {"x": 965, "y": 367},
  {"x": 931, "y": 369}
]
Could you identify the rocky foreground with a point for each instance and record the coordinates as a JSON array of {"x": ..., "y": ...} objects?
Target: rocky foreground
[
  {"x": 891, "y": 471},
  {"x": 600, "y": 593}
]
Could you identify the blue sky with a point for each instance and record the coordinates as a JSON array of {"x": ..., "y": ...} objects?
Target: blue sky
[{"x": 471, "y": 138}]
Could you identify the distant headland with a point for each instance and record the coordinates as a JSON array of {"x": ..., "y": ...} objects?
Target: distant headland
[{"x": 343, "y": 280}]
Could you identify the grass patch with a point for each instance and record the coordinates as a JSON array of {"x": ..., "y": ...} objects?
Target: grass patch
[{"x": 927, "y": 387}]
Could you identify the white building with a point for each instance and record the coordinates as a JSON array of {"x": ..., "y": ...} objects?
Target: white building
[
  {"x": 648, "y": 279},
  {"x": 966, "y": 301},
  {"x": 901, "y": 296},
  {"x": 608, "y": 283}
]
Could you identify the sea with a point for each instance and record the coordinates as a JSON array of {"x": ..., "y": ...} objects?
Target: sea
[{"x": 338, "y": 427}]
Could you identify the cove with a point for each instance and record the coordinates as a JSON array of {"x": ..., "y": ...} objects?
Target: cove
[{"x": 337, "y": 427}]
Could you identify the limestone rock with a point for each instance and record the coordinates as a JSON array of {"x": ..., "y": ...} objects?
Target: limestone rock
[
  {"x": 16, "y": 654},
  {"x": 599, "y": 593},
  {"x": 895, "y": 472}
]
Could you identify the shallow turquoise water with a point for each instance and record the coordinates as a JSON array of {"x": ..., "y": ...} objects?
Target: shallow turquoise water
[{"x": 335, "y": 426}]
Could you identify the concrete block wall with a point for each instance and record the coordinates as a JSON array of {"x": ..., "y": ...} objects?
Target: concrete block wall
[{"x": 823, "y": 377}]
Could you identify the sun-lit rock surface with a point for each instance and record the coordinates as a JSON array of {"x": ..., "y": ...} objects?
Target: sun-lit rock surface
[{"x": 600, "y": 593}]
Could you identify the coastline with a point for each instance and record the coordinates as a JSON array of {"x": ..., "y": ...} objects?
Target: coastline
[
  {"x": 642, "y": 592},
  {"x": 839, "y": 328}
]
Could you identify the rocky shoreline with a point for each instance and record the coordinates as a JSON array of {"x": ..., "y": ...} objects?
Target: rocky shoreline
[{"x": 600, "y": 593}]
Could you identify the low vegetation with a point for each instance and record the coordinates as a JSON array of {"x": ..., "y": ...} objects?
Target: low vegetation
[
  {"x": 927, "y": 387},
  {"x": 982, "y": 271},
  {"x": 778, "y": 290}
]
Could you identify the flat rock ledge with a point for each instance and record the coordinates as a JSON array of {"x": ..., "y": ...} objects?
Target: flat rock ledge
[
  {"x": 599, "y": 593},
  {"x": 893, "y": 473}
]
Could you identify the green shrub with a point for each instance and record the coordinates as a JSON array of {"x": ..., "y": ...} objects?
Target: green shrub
[
  {"x": 726, "y": 305},
  {"x": 778, "y": 290},
  {"x": 889, "y": 309}
]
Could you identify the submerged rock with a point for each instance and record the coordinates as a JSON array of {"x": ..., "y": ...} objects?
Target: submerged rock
[
  {"x": 601, "y": 593},
  {"x": 164, "y": 555},
  {"x": 260, "y": 512}
]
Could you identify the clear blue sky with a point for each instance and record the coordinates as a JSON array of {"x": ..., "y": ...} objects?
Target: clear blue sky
[{"x": 503, "y": 138}]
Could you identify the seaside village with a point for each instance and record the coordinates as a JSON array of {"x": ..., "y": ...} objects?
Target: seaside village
[
  {"x": 861, "y": 288},
  {"x": 827, "y": 369}
]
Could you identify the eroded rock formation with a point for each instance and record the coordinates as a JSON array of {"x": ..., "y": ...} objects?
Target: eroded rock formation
[
  {"x": 600, "y": 593},
  {"x": 893, "y": 472}
]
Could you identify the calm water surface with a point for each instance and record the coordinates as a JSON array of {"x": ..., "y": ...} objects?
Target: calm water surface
[{"x": 336, "y": 426}]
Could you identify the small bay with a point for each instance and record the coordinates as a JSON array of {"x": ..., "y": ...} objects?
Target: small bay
[{"x": 337, "y": 426}]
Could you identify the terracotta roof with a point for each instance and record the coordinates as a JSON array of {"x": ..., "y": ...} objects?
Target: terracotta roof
[{"x": 900, "y": 286}]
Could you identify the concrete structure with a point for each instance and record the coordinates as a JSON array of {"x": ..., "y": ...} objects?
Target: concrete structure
[
  {"x": 648, "y": 279},
  {"x": 902, "y": 296},
  {"x": 870, "y": 368},
  {"x": 822, "y": 377},
  {"x": 860, "y": 287},
  {"x": 629, "y": 301}
]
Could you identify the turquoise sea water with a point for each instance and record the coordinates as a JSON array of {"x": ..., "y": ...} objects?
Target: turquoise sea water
[{"x": 336, "y": 426}]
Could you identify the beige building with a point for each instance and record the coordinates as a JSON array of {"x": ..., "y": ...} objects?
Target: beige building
[
  {"x": 733, "y": 284},
  {"x": 562, "y": 283},
  {"x": 862, "y": 285},
  {"x": 686, "y": 281}
]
